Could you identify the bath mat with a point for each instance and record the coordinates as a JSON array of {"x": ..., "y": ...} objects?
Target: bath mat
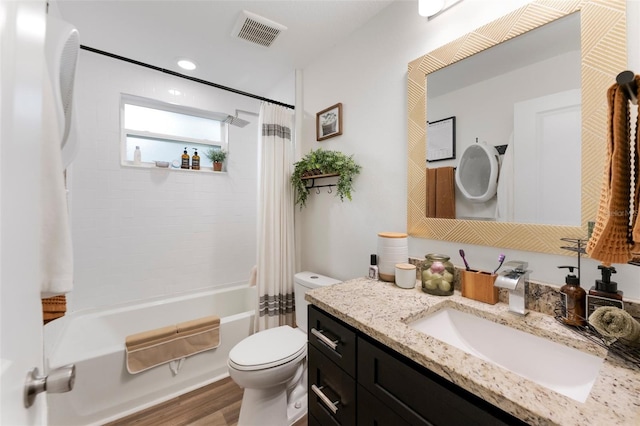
[{"x": 151, "y": 348}]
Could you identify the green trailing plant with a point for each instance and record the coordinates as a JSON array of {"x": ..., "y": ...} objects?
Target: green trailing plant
[
  {"x": 320, "y": 162},
  {"x": 216, "y": 155}
]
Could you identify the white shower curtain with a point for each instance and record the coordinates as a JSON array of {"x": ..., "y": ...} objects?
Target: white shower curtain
[{"x": 276, "y": 254}]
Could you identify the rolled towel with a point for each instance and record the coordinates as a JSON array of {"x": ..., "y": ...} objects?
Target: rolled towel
[{"x": 617, "y": 323}]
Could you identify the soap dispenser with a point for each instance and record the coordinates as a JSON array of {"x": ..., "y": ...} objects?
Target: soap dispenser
[
  {"x": 573, "y": 299},
  {"x": 195, "y": 160},
  {"x": 185, "y": 159},
  {"x": 605, "y": 292}
]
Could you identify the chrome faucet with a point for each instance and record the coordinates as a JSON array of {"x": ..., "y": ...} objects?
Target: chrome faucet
[{"x": 515, "y": 280}]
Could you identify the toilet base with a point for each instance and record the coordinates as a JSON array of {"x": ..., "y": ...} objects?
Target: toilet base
[
  {"x": 275, "y": 396},
  {"x": 269, "y": 407},
  {"x": 297, "y": 409},
  {"x": 297, "y": 399}
]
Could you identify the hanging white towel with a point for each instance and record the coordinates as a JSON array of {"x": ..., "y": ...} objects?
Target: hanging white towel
[{"x": 57, "y": 255}]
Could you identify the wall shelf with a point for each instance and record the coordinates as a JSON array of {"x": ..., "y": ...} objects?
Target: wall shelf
[
  {"x": 311, "y": 182},
  {"x": 152, "y": 166}
]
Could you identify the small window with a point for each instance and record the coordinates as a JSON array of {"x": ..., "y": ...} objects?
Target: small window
[{"x": 163, "y": 131}]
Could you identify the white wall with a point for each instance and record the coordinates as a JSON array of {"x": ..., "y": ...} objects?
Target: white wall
[
  {"x": 285, "y": 90},
  {"x": 367, "y": 73},
  {"x": 140, "y": 233}
]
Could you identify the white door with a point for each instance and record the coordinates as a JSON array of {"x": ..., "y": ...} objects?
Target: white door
[
  {"x": 546, "y": 159},
  {"x": 22, "y": 33}
]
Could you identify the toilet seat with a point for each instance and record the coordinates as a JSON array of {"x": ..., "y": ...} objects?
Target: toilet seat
[
  {"x": 269, "y": 348},
  {"x": 477, "y": 173}
]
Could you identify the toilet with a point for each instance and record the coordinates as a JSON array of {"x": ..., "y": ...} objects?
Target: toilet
[
  {"x": 271, "y": 365},
  {"x": 477, "y": 173}
]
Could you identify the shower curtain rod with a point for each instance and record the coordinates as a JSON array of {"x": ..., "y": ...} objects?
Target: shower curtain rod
[{"x": 177, "y": 74}]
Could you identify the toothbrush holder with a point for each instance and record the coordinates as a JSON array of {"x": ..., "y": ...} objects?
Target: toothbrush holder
[{"x": 478, "y": 285}]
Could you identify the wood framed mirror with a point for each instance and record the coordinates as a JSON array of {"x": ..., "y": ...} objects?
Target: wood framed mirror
[{"x": 603, "y": 56}]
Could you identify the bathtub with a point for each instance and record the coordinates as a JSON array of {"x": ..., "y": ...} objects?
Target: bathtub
[{"x": 93, "y": 340}]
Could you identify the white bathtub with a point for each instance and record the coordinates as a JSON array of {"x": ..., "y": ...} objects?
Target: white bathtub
[{"x": 93, "y": 340}]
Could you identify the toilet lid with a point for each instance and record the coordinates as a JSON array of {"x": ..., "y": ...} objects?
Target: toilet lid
[{"x": 268, "y": 348}]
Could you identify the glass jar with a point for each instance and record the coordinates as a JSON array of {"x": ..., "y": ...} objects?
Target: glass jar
[{"x": 437, "y": 275}]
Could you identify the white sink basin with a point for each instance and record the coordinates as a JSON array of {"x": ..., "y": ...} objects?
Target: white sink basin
[{"x": 560, "y": 368}]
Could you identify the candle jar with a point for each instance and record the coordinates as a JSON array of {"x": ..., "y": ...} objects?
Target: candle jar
[{"x": 437, "y": 275}]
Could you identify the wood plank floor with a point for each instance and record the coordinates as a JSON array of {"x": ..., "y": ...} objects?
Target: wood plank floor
[{"x": 217, "y": 404}]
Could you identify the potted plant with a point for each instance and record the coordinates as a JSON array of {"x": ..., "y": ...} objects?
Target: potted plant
[
  {"x": 321, "y": 162},
  {"x": 217, "y": 157}
]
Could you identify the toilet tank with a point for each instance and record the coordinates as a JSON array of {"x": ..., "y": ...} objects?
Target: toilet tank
[{"x": 303, "y": 282}]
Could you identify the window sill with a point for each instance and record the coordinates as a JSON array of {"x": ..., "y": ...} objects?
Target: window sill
[{"x": 145, "y": 165}]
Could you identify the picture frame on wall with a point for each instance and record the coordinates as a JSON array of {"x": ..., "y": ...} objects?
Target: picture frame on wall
[
  {"x": 329, "y": 122},
  {"x": 441, "y": 139}
]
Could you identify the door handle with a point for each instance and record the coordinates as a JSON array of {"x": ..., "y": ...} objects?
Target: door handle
[{"x": 59, "y": 380}]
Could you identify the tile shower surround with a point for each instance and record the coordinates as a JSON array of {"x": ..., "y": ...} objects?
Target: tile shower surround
[
  {"x": 141, "y": 233},
  {"x": 540, "y": 297}
]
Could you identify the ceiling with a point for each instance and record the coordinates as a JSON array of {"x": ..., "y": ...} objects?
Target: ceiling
[{"x": 160, "y": 32}]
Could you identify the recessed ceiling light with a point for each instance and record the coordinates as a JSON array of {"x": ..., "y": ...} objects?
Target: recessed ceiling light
[
  {"x": 175, "y": 92},
  {"x": 186, "y": 64}
]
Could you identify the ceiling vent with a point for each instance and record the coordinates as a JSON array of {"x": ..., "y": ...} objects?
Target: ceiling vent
[{"x": 257, "y": 29}]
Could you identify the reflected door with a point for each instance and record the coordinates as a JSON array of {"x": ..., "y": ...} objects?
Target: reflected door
[{"x": 547, "y": 153}]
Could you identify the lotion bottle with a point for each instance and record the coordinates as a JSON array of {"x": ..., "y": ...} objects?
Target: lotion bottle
[
  {"x": 185, "y": 159},
  {"x": 573, "y": 299},
  {"x": 137, "y": 156}
]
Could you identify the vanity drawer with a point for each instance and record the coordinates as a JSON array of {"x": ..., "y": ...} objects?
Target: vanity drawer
[
  {"x": 419, "y": 395},
  {"x": 333, "y": 338},
  {"x": 332, "y": 392},
  {"x": 311, "y": 421},
  {"x": 372, "y": 412}
]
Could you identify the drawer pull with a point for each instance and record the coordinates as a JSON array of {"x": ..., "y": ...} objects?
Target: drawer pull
[
  {"x": 333, "y": 344},
  {"x": 325, "y": 399}
]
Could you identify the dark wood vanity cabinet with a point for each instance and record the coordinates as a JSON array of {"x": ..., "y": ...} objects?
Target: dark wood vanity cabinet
[
  {"x": 332, "y": 370},
  {"x": 354, "y": 380}
]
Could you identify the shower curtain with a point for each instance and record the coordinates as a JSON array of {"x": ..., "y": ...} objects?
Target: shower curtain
[{"x": 276, "y": 254}]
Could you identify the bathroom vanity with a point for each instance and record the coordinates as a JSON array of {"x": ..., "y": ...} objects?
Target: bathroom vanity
[
  {"x": 375, "y": 385},
  {"x": 369, "y": 365}
]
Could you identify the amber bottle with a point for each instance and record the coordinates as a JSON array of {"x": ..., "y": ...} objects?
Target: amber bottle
[
  {"x": 574, "y": 299},
  {"x": 185, "y": 159},
  {"x": 195, "y": 160}
]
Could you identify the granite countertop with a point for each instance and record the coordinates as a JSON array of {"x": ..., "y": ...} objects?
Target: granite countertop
[{"x": 383, "y": 310}]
